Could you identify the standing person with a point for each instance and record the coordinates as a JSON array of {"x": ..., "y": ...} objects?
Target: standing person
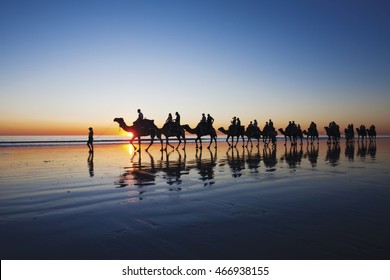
[{"x": 90, "y": 140}]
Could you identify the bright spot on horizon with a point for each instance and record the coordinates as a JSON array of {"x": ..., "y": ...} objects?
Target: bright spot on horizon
[{"x": 130, "y": 134}]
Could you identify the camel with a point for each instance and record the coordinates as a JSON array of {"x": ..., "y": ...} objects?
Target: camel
[
  {"x": 311, "y": 133},
  {"x": 234, "y": 132},
  {"x": 349, "y": 133},
  {"x": 292, "y": 132},
  {"x": 145, "y": 129},
  {"x": 361, "y": 132},
  {"x": 253, "y": 132},
  {"x": 173, "y": 130},
  {"x": 269, "y": 134},
  {"x": 199, "y": 131},
  {"x": 333, "y": 132},
  {"x": 372, "y": 133}
]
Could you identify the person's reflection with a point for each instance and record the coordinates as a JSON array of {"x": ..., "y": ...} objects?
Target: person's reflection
[
  {"x": 90, "y": 165},
  {"x": 206, "y": 166},
  {"x": 333, "y": 153},
  {"x": 312, "y": 152},
  {"x": 269, "y": 158},
  {"x": 350, "y": 150}
]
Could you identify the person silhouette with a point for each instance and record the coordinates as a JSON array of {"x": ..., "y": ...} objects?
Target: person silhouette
[
  {"x": 90, "y": 140},
  {"x": 169, "y": 119},
  {"x": 210, "y": 120},
  {"x": 140, "y": 115},
  {"x": 177, "y": 120}
]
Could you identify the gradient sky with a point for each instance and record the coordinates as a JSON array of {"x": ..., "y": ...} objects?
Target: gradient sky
[{"x": 67, "y": 65}]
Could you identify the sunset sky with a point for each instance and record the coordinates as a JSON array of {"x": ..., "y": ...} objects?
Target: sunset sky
[{"x": 67, "y": 65}]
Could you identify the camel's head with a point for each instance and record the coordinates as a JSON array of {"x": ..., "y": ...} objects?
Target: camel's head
[{"x": 118, "y": 120}]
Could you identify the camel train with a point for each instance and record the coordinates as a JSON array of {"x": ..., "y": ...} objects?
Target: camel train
[{"x": 292, "y": 133}]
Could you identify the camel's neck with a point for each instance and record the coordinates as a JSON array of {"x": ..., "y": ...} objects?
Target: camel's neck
[
  {"x": 124, "y": 126},
  {"x": 223, "y": 130},
  {"x": 189, "y": 129}
]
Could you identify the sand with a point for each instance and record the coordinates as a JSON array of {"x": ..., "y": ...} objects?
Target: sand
[{"x": 309, "y": 202}]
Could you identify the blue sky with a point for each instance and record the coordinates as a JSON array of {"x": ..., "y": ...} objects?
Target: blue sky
[{"x": 74, "y": 64}]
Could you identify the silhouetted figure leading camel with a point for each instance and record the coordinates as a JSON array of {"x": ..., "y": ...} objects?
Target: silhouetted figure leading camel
[{"x": 143, "y": 127}]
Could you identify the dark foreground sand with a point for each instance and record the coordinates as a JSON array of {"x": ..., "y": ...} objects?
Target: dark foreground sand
[{"x": 309, "y": 202}]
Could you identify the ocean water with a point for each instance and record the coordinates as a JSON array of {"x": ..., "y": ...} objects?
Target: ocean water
[{"x": 320, "y": 201}]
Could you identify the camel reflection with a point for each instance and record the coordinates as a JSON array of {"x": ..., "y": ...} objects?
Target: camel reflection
[
  {"x": 362, "y": 149},
  {"x": 293, "y": 156},
  {"x": 138, "y": 174},
  {"x": 170, "y": 170},
  {"x": 173, "y": 169},
  {"x": 333, "y": 153},
  {"x": 205, "y": 167},
  {"x": 372, "y": 149},
  {"x": 253, "y": 159},
  {"x": 269, "y": 158},
  {"x": 312, "y": 153},
  {"x": 350, "y": 150},
  {"x": 235, "y": 161}
]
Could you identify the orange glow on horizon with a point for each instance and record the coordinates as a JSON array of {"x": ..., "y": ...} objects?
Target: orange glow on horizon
[{"x": 49, "y": 128}]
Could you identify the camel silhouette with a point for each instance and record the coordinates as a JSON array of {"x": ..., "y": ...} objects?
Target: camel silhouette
[
  {"x": 252, "y": 132},
  {"x": 200, "y": 131},
  {"x": 291, "y": 133},
  {"x": 333, "y": 133},
  {"x": 371, "y": 132},
  {"x": 361, "y": 132},
  {"x": 234, "y": 131},
  {"x": 312, "y": 134},
  {"x": 145, "y": 128},
  {"x": 173, "y": 130}
]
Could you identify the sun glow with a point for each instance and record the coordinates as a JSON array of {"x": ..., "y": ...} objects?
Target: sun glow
[{"x": 130, "y": 134}]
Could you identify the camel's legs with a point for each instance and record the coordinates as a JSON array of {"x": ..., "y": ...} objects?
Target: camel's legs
[
  {"x": 178, "y": 138},
  {"x": 185, "y": 142},
  {"x": 151, "y": 142},
  {"x": 131, "y": 142}
]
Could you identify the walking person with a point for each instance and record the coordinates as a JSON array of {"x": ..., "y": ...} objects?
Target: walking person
[{"x": 90, "y": 140}]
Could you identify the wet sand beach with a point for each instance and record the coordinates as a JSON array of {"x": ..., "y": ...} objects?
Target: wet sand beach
[{"x": 305, "y": 202}]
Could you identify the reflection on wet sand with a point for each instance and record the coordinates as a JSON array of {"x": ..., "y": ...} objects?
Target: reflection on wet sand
[
  {"x": 293, "y": 156},
  {"x": 312, "y": 153},
  {"x": 170, "y": 167},
  {"x": 333, "y": 153},
  {"x": 90, "y": 165}
]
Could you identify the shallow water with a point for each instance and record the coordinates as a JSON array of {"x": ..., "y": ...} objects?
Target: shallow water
[{"x": 303, "y": 202}]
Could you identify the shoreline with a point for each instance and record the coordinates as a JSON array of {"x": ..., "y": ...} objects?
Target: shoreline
[{"x": 80, "y": 140}]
